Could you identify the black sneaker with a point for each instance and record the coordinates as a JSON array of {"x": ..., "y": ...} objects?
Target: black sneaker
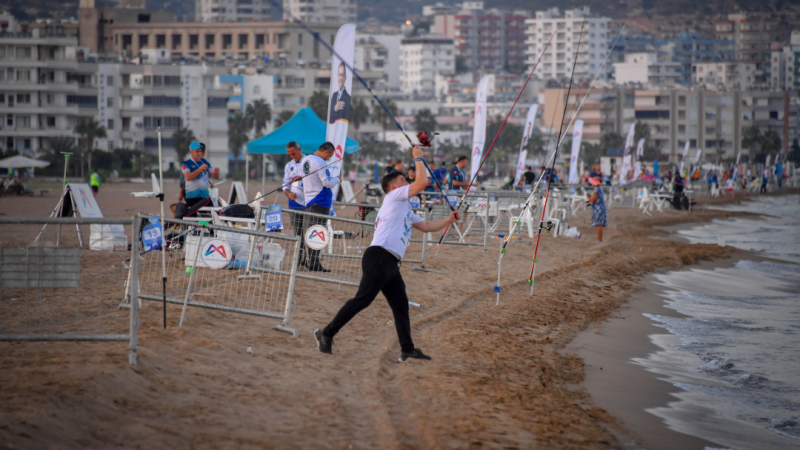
[
  {"x": 416, "y": 354},
  {"x": 318, "y": 268},
  {"x": 324, "y": 344}
]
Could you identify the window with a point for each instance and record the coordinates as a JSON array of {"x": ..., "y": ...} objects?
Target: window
[
  {"x": 82, "y": 101},
  {"x": 23, "y": 121},
  {"x": 681, "y": 129},
  {"x": 23, "y": 53},
  {"x": 652, "y": 115},
  {"x": 256, "y": 90},
  {"x": 172, "y": 80},
  {"x": 110, "y": 102},
  {"x": 2, "y": 52},
  {"x": 150, "y": 142},
  {"x": 2, "y": 98},
  {"x": 711, "y": 130},
  {"x": 23, "y": 99},
  {"x": 158, "y": 80},
  {"x": 23, "y": 75},
  {"x": 161, "y": 101},
  {"x": 692, "y": 129},
  {"x": 681, "y": 115},
  {"x": 109, "y": 80},
  {"x": 51, "y": 122},
  {"x": 110, "y": 125},
  {"x": 773, "y": 115},
  {"x": 217, "y": 102}
]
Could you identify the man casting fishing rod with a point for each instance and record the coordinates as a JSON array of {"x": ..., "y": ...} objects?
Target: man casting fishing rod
[{"x": 380, "y": 264}]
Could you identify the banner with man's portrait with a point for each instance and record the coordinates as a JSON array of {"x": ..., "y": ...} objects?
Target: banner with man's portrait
[{"x": 340, "y": 94}]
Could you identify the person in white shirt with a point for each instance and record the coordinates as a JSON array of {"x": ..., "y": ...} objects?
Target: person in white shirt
[
  {"x": 294, "y": 190},
  {"x": 380, "y": 264},
  {"x": 317, "y": 186}
]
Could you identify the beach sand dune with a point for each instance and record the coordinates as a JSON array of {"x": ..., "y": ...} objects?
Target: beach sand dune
[{"x": 499, "y": 378}]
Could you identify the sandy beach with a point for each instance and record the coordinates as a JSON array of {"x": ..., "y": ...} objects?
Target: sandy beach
[{"x": 508, "y": 376}]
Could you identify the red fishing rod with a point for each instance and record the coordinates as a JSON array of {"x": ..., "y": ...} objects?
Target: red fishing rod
[
  {"x": 549, "y": 176},
  {"x": 486, "y": 156}
]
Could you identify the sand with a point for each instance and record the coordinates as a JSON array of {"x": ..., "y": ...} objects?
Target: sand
[{"x": 501, "y": 376}]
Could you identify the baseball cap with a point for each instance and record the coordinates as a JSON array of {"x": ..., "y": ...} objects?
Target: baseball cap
[{"x": 197, "y": 146}]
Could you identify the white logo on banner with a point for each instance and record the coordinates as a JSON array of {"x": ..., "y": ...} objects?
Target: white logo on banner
[
  {"x": 316, "y": 237},
  {"x": 216, "y": 253}
]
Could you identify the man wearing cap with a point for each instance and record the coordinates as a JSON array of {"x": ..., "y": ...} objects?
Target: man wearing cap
[{"x": 195, "y": 171}]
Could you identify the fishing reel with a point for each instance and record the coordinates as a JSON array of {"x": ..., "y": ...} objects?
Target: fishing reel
[
  {"x": 424, "y": 139},
  {"x": 547, "y": 226}
]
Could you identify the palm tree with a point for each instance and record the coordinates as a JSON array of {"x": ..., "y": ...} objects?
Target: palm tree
[
  {"x": 751, "y": 139},
  {"x": 90, "y": 130},
  {"x": 359, "y": 113},
  {"x": 381, "y": 116},
  {"x": 237, "y": 134},
  {"x": 318, "y": 102},
  {"x": 258, "y": 115},
  {"x": 424, "y": 120},
  {"x": 283, "y": 117},
  {"x": 181, "y": 139}
]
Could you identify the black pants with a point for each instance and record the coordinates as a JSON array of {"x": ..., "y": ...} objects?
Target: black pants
[
  {"x": 381, "y": 273},
  {"x": 313, "y": 255},
  {"x": 763, "y": 188},
  {"x": 297, "y": 228}
]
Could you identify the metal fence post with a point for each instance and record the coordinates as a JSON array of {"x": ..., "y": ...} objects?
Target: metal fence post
[
  {"x": 191, "y": 276},
  {"x": 134, "y": 291},
  {"x": 289, "y": 296}
]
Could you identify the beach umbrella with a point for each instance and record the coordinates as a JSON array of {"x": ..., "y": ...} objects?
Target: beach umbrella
[{"x": 21, "y": 162}]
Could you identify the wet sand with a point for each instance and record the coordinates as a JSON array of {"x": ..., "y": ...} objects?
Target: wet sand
[{"x": 501, "y": 376}]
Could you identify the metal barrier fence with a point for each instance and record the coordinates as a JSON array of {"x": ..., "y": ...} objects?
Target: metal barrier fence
[
  {"x": 224, "y": 268},
  {"x": 61, "y": 279},
  {"x": 344, "y": 244}
]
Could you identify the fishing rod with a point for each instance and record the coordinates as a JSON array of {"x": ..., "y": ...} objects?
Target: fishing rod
[
  {"x": 352, "y": 69},
  {"x": 552, "y": 160},
  {"x": 489, "y": 150}
]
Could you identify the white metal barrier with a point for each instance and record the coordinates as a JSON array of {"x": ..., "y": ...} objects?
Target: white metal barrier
[{"x": 54, "y": 288}]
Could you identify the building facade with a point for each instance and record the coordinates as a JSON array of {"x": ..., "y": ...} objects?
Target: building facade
[
  {"x": 751, "y": 34},
  {"x": 725, "y": 75},
  {"x": 96, "y": 24},
  {"x": 231, "y": 10},
  {"x": 321, "y": 11},
  {"x": 647, "y": 68},
  {"x": 422, "y": 58},
  {"x": 557, "y": 59}
]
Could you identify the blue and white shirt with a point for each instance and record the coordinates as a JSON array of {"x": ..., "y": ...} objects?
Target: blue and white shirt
[
  {"x": 198, "y": 187},
  {"x": 292, "y": 170},
  {"x": 317, "y": 187},
  {"x": 456, "y": 174}
]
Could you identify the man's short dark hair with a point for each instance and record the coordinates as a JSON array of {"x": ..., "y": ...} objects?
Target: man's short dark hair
[
  {"x": 461, "y": 158},
  {"x": 292, "y": 144},
  {"x": 327, "y": 146},
  {"x": 444, "y": 163},
  {"x": 389, "y": 179},
  {"x": 530, "y": 168}
]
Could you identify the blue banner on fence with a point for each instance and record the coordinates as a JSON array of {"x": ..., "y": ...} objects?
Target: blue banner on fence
[
  {"x": 151, "y": 234},
  {"x": 452, "y": 197},
  {"x": 273, "y": 219}
]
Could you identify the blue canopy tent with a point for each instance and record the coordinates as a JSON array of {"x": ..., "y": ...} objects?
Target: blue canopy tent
[{"x": 305, "y": 128}]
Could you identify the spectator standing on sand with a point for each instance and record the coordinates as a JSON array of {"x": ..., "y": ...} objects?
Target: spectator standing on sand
[
  {"x": 195, "y": 171},
  {"x": 94, "y": 181},
  {"x": 598, "y": 201},
  {"x": 730, "y": 187},
  {"x": 677, "y": 187},
  {"x": 352, "y": 177},
  {"x": 317, "y": 186},
  {"x": 381, "y": 261},
  {"x": 764, "y": 180},
  {"x": 389, "y": 167},
  {"x": 293, "y": 188}
]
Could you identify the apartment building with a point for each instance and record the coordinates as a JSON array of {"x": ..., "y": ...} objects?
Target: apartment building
[
  {"x": 421, "y": 59},
  {"x": 782, "y": 69},
  {"x": 390, "y": 43},
  {"x": 727, "y": 75},
  {"x": 485, "y": 39},
  {"x": 95, "y": 24},
  {"x": 34, "y": 88},
  {"x": 321, "y": 11},
  {"x": 711, "y": 120},
  {"x": 558, "y": 58},
  {"x": 647, "y": 68},
  {"x": 752, "y": 36},
  {"x": 283, "y": 42},
  {"x": 231, "y": 10}
]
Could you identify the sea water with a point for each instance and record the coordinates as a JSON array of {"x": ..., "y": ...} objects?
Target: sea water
[{"x": 735, "y": 349}]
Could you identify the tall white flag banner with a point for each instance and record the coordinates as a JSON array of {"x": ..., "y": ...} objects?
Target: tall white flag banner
[
  {"x": 769, "y": 157},
  {"x": 640, "y": 148},
  {"x": 626, "y": 166},
  {"x": 479, "y": 130},
  {"x": 629, "y": 140},
  {"x": 637, "y": 165},
  {"x": 697, "y": 157},
  {"x": 683, "y": 159},
  {"x": 523, "y": 155},
  {"x": 340, "y": 96},
  {"x": 737, "y": 157},
  {"x": 526, "y": 136},
  {"x": 577, "y": 134}
]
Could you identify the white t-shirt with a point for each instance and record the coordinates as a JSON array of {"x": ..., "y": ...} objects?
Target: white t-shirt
[{"x": 393, "y": 225}]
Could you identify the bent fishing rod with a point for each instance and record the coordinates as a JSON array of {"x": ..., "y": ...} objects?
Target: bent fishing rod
[
  {"x": 491, "y": 146},
  {"x": 352, "y": 69},
  {"x": 541, "y": 177}
]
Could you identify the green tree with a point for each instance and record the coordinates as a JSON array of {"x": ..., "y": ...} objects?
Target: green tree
[
  {"x": 641, "y": 131},
  {"x": 318, "y": 102},
  {"x": 90, "y": 130},
  {"x": 237, "y": 134},
  {"x": 258, "y": 115},
  {"x": 424, "y": 120},
  {"x": 751, "y": 140},
  {"x": 449, "y": 151},
  {"x": 381, "y": 116},
  {"x": 612, "y": 140},
  {"x": 508, "y": 141},
  {"x": 591, "y": 153},
  {"x": 283, "y": 117},
  {"x": 59, "y": 145},
  {"x": 181, "y": 139},
  {"x": 536, "y": 145},
  {"x": 359, "y": 113},
  {"x": 770, "y": 142}
]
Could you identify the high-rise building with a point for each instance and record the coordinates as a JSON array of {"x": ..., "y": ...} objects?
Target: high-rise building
[
  {"x": 421, "y": 59},
  {"x": 231, "y": 10},
  {"x": 782, "y": 69},
  {"x": 96, "y": 24},
  {"x": 647, "y": 68},
  {"x": 484, "y": 39},
  {"x": 322, "y": 11},
  {"x": 35, "y": 91},
  {"x": 752, "y": 36},
  {"x": 565, "y": 30}
]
